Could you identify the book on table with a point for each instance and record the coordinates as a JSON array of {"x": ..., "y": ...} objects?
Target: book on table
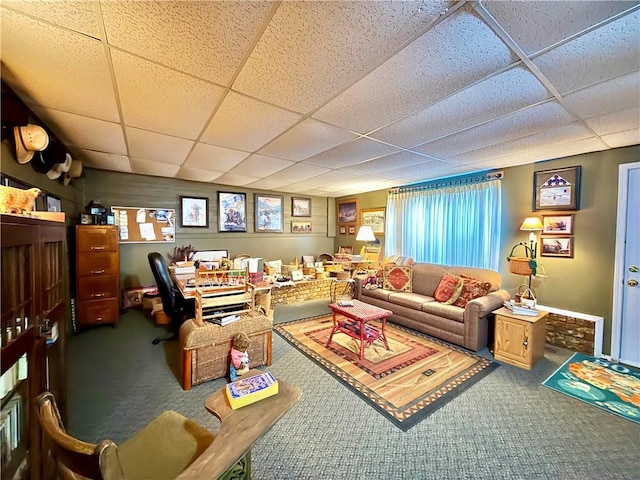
[
  {"x": 521, "y": 309},
  {"x": 246, "y": 391}
]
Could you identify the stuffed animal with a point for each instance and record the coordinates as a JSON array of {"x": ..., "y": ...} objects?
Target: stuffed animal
[
  {"x": 239, "y": 364},
  {"x": 16, "y": 200}
]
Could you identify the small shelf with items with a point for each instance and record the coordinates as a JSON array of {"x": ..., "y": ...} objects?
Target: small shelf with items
[{"x": 221, "y": 292}]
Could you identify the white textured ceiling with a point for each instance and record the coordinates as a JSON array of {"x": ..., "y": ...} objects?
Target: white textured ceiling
[{"x": 323, "y": 97}]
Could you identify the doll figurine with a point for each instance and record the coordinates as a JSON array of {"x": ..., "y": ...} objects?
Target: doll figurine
[{"x": 239, "y": 357}]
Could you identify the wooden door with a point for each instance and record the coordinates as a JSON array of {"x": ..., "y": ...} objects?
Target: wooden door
[{"x": 512, "y": 340}]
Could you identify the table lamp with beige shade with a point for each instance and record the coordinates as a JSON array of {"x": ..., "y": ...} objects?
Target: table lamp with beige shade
[{"x": 368, "y": 251}]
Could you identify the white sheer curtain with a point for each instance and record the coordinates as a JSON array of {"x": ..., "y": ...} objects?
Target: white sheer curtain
[{"x": 452, "y": 225}]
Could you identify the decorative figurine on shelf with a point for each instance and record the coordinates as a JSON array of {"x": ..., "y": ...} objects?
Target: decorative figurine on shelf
[
  {"x": 16, "y": 200},
  {"x": 239, "y": 356}
]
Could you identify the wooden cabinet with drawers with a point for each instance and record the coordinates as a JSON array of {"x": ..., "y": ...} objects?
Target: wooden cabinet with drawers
[
  {"x": 97, "y": 275},
  {"x": 519, "y": 339}
]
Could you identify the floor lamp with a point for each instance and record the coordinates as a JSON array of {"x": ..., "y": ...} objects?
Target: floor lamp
[{"x": 532, "y": 225}]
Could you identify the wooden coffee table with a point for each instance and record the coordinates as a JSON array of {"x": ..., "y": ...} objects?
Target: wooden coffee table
[{"x": 360, "y": 313}]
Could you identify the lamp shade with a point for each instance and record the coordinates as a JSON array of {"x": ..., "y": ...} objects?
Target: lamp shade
[
  {"x": 365, "y": 234},
  {"x": 531, "y": 224}
]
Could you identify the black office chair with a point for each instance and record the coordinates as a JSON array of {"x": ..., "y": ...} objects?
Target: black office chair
[{"x": 173, "y": 303}]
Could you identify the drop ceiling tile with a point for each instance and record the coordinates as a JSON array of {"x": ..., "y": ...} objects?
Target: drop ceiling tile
[
  {"x": 402, "y": 159},
  {"x": 260, "y": 166},
  {"x": 306, "y": 139},
  {"x": 606, "y": 97},
  {"x": 33, "y": 50},
  {"x": 501, "y": 94},
  {"x": 326, "y": 179},
  {"x": 454, "y": 54},
  {"x": 537, "y": 25},
  {"x": 267, "y": 184},
  {"x": 525, "y": 122},
  {"x": 157, "y": 147},
  {"x": 162, "y": 100},
  {"x": 429, "y": 169},
  {"x": 83, "y": 132},
  {"x": 312, "y": 50},
  {"x": 235, "y": 180},
  {"x": 554, "y": 136},
  {"x": 75, "y": 15},
  {"x": 215, "y": 159},
  {"x": 616, "y": 122},
  {"x": 297, "y": 173},
  {"x": 205, "y": 39},
  {"x": 102, "y": 160},
  {"x": 247, "y": 124},
  {"x": 197, "y": 175},
  {"x": 623, "y": 139},
  {"x": 552, "y": 152},
  {"x": 607, "y": 52},
  {"x": 350, "y": 153},
  {"x": 156, "y": 169}
]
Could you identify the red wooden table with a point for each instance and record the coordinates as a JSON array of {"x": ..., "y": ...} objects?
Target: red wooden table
[{"x": 361, "y": 313}]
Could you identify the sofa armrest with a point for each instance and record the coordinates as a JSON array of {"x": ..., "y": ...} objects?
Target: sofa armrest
[
  {"x": 475, "y": 318},
  {"x": 483, "y": 306}
]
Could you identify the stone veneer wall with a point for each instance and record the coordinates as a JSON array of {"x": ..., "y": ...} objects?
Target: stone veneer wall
[
  {"x": 570, "y": 332},
  {"x": 301, "y": 291}
]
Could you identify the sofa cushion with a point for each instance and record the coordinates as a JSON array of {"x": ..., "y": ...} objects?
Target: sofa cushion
[
  {"x": 480, "y": 274},
  {"x": 448, "y": 289},
  {"x": 397, "y": 278},
  {"x": 408, "y": 299},
  {"x": 378, "y": 293},
  {"x": 426, "y": 277},
  {"x": 472, "y": 288},
  {"x": 450, "y": 312}
]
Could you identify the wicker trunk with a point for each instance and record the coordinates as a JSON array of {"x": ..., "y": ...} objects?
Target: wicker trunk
[{"x": 205, "y": 350}]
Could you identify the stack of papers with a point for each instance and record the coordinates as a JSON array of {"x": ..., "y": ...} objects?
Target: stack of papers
[
  {"x": 519, "y": 309},
  {"x": 222, "y": 321},
  {"x": 184, "y": 270}
]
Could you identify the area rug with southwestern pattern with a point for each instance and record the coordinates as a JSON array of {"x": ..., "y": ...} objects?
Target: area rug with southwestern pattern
[{"x": 408, "y": 382}]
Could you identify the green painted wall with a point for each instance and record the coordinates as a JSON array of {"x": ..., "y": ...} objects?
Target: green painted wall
[{"x": 583, "y": 283}]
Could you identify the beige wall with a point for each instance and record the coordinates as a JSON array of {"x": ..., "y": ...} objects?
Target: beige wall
[{"x": 583, "y": 283}]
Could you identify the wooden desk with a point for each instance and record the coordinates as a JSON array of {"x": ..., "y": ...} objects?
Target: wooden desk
[
  {"x": 240, "y": 429},
  {"x": 190, "y": 293}
]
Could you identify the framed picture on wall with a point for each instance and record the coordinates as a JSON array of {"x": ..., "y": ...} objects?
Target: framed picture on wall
[
  {"x": 53, "y": 204},
  {"x": 348, "y": 212},
  {"x": 300, "y": 226},
  {"x": 557, "y": 224},
  {"x": 374, "y": 218},
  {"x": 232, "y": 212},
  {"x": 557, "y": 189},
  {"x": 269, "y": 214},
  {"x": 194, "y": 212},
  {"x": 343, "y": 230},
  {"x": 300, "y": 207},
  {"x": 556, "y": 247}
]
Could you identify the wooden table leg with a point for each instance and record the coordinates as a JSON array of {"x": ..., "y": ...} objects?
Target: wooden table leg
[
  {"x": 334, "y": 329},
  {"x": 186, "y": 370},
  {"x": 383, "y": 334},
  {"x": 362, "y": 324}
]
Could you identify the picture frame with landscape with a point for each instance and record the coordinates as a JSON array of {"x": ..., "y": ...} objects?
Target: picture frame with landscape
[
  {"x": 374, "y": 218},
  {"x": 557, "y": 224},
  {"x": 347, "y": 211},
  {"x": 269, "y": 213},
  {"x": 300, "y": 207},
  {"x": 556, "y": 247}
]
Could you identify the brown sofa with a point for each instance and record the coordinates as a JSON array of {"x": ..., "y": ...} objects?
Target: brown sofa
[{"x": 418, "y": 310}]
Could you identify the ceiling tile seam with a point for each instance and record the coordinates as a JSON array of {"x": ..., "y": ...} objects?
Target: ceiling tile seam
[
  {"x": 37, "y": 19},
  {"x": 401, "y": 47},
  {"x": 600, "y": 82},
  {"x": 104, "y": 41},
  {"x": 521, "y": 109},
  {"x": 446, "y": 97},
  {"x": 511, "y": 43},
  {"x": 309, "y": 114},
  {"x": 585, "y": 31},
  {"x": 229, "y": 86}
]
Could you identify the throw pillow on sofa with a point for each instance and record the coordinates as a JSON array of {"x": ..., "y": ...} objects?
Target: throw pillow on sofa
[
  {"x": 448, "y": 289},
  {"x": 472, "y": 288},
  {"x": 397, "y": 278}
]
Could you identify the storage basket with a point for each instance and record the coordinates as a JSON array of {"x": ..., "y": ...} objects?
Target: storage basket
[{"x": 520, "y": 265}]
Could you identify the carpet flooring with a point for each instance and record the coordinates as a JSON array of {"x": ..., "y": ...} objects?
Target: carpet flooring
[
  {"x": 406, "y": 382},
  {"x": 508, "y": 426}
]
